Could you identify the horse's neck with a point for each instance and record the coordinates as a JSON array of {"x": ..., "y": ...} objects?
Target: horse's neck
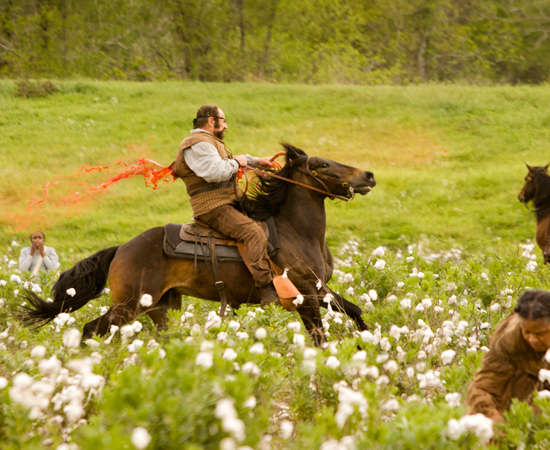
[{"x": 304, "y": 212}]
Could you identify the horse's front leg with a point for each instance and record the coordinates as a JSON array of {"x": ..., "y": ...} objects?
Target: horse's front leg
[
  {"x": 350, "y": 309},
  {"x": 310, "y": 312}
]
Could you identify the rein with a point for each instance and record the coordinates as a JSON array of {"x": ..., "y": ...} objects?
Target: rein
[
  {"x": 533, "y": 210},
  {"x": 313, "y": 174}
]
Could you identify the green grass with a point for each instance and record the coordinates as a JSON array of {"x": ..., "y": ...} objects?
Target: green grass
[{"x": 448, "y": 159}]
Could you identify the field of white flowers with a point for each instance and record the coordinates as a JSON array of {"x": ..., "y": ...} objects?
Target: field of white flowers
[{"x": 254, "y": 380}]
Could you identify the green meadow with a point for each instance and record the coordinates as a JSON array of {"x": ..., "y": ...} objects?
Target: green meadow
[{"x": 449, "y": 160}]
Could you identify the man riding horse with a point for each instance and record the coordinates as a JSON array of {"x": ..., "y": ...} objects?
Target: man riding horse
[{"x": 209, "y": 171}]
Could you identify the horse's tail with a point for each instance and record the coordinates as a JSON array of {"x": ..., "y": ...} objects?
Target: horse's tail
[{"x": 87, "y": 278}]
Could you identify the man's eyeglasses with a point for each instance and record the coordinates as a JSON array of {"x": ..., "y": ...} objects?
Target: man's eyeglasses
[{"x": 220, "y": 118}]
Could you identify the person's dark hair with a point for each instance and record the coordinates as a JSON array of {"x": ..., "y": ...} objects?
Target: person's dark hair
[
  {"x": 533, "y": 305},
  {"x": 204, "y": 113}
]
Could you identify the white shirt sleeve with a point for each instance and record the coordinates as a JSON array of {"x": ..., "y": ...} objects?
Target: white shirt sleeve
[
  {"x": 25, "y": 259},
  {"x": 51, "y": 260},
  {"x": 203, "y": 159}
]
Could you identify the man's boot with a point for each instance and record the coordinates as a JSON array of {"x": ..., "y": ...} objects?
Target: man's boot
[{"x": 269, "y": 295}]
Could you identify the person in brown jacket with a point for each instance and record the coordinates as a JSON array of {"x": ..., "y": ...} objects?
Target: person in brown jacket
[
  {"x": 209, "y": 170},
  {"x": 510, "y": 369}
]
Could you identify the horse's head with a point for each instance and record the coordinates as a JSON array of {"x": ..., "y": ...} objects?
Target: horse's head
[
  {"x": 335, "y": 178},
  {"x": 537, "y": 183}
]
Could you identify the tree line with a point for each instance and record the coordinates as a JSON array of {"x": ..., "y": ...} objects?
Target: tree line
[{"x": 307, "y": 41}]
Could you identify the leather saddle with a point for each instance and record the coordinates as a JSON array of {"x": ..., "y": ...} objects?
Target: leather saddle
[{"x": 192, "y": 241}]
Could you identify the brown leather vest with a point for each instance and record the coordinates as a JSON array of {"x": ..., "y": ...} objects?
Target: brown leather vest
[{"x": 205, "y": 196}]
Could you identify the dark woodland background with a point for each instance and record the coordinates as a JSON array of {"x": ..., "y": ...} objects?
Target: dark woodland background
[{"x": 285, "y": 41}]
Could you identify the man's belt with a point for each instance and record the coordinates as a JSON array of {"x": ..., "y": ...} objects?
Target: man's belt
[{"x": 211, "y": 188}]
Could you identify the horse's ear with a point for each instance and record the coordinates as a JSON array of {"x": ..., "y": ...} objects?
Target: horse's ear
[
  {"x": 292, "y": 153},
  {"x": 546, "y": 167},
  {"x": 531, "y": 169}
]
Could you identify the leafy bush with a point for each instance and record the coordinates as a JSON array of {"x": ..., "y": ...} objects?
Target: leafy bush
[{"x": 28, "y": 89}]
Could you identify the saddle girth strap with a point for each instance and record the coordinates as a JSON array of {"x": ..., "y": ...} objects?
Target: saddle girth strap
[{"x": 220, "y": 285}]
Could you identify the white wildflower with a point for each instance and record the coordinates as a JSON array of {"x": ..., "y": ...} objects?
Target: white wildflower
[
  {"x": 140, "y": 438},
  {"x": 260, "y": 333},
  {"x": 367, "y": 336},
  {"x": 257, "y": 348},
  {"x": 294, "y": 326},
  {"x": 391, "y": 366},
  {"x": 390, "y": 405},
  {"x": 225, "y": 411},
  {"x": 71, "y": 338},
  {"x": 453, "y": 399},
  {"x": 332, "y": 362},
  {"x": 299, "y": 340},
  {"x": 213, "y": 321},
  {"x": 234, "y": 325},
  {"x": 38, "y": 352},
  {"x": 379, "y": 251},
  {"x": 135, "y": 346},
  {"x": 229, "y": 354},
  {"x": 205, "y": 360},
  {"x": 127, "y": 331},
  {"x": 544, "y": 375},
  {"x": 250, "y": 368},
  {"x": 380, "y": 264},
  {"x": 71, "y": 292},
  {"x": 447, "y": 356},
  {"x": 146, "y": 300},
  {"x": 286, "y": 429},
  {"x": 250, "y": 402},
  {"x": 298, "y": 300}
]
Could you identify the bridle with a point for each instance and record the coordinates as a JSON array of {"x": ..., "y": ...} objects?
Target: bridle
[{"x": 312, "y": 173}]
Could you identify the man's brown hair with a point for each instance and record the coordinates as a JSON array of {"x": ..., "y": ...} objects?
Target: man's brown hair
[{"x": 204, "y": 113}]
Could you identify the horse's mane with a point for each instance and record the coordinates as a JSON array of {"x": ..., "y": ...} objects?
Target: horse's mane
[{"x": 269, "y": 194}]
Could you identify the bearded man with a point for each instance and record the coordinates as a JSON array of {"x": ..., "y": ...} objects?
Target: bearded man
[{"x": 209, "y": 171}]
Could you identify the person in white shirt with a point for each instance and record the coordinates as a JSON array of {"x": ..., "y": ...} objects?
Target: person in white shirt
[
  {"x": 38, "y": 256},
  {"x": 209, "y": 169}
]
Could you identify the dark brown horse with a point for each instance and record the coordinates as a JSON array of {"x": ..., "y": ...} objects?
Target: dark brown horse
[
  {"x": 141, "y": 267},
  {"x": 537, "y": 189}
]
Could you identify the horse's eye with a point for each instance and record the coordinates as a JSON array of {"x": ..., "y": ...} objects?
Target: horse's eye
[{"x": 324, "y": 166}]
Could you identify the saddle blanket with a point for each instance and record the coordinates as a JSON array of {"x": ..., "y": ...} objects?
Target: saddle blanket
[{"x": 191, "y": 240}]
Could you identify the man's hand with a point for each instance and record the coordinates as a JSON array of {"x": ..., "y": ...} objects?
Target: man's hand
[
  {"x": 34, "y": 247},
  {"x": 41, "y": 249},
  {"x": 266, "y": 161},
  {"x": 241, "y": 159}
]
